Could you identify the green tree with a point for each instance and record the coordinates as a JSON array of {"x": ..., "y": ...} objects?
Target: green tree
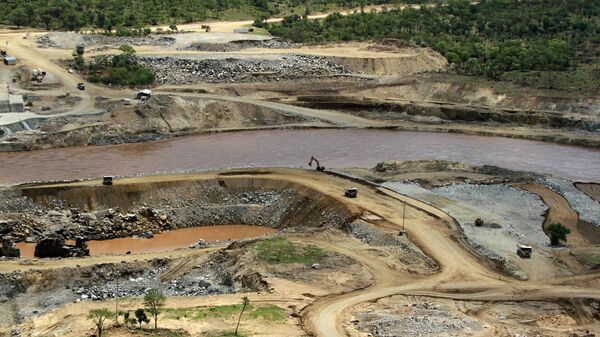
[
  {"x": 19, "y": 17},
  {"x": 154, "y": 300},
  {"x": 558, "y": 233},
  {"x": 140, "y": 314},
  {"x": 127, "y": 49},
  {"x": 245, "y": 303},
  {"x": 98, "y": 316},
  {"x": 173, "y": 27}
]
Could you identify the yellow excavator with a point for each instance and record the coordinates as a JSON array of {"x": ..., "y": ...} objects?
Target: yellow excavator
[{"x": 319, "y": 167}]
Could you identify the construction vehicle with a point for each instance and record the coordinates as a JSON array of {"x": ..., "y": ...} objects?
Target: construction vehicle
[
  {"x": 524, "y": 251},
  {"x": 80, "y": 86},
  {"x": 107, "y": 180},
  {"x": 319, "y": 167},
  {"x": 351, "y": 192},
  {"x": 206, "y": 28},
  {"x": 38, "y": 75}
]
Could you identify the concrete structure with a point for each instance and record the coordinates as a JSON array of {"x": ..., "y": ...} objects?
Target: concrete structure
[
  {"x": 10, "y": 60},
  {"x": 11, "y": 103}
]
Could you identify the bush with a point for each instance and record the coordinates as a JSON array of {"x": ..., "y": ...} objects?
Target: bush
[{"x": 558, "y": 233}]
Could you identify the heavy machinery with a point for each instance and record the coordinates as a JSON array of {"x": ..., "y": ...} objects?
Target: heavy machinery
[
  {"x": 524, "y": 251},
  {"x": 38, "y": 75},
  {"x": 80, "y": 86},
  {"x": 107, "y": 180},
  {"x": 351, "y": 192},
  {"x": 319, "y": 167}
]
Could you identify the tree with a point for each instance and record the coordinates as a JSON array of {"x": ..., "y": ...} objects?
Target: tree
[
  {"x": 127, "y": 49},
  {"x": 78, "y": 55},
  {"x": 154, "y": 300},
  {"x": 141, "y": 317},
  {"x": 173, "y": 27},
  {"x": 19, "y": 17},
  {"x": 98, "y": 316},
  {"x": 246, "y": 302},
  {"x": 558, "y": 233}
]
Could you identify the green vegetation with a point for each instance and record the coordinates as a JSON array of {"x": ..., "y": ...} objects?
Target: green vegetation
[
  {"x": 121, "y": 69},
  {"x": 281, "y": 250},
  {"x": 154, "y": 300},
  {"x": 267, "y": 313},
  {"x": 123, "y": 15},
  {"x": 98, "y": 316},
  {"x": 490, "y": 38},
  {"x": 558, "y": 233},
  {"x": 141, "y": 317}
]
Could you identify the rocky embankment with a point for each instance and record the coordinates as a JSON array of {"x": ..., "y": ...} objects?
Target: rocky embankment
[
  {"x": 31, "y": 214},
  {"x": 240, "y": 45},
  {"x": 170, "y": 70},
  {"x": 65, "y": 40}
]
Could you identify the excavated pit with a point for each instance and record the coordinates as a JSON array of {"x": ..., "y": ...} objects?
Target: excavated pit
[{"x": 150, "y": 206}]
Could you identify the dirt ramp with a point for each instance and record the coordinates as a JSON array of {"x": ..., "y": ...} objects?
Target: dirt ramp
[{"x": 412, "y": 62}]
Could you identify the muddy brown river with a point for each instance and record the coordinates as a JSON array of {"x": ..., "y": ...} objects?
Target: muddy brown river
[
  {"x": 180, "y": 238},
  {"x": 293, "y": 148}
]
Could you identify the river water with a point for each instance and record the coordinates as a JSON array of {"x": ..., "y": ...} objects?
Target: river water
[
  {"x": 180, "y": 238},
  {"x": 292, "y": 148}
]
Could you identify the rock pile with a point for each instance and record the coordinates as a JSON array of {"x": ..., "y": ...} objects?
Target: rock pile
[
  {"x": 239, "y": 45},
  {"x": 290, "y": 67},
  {"x": 70, "y": 40},
  {"x": 417, "y": 319}
]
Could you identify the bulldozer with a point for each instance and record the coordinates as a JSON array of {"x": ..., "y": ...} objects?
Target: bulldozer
[
  {"x": 38, "y": 75},
  {"x": 318, "y": 167}
]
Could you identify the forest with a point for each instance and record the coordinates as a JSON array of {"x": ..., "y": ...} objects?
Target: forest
[
  {"x": 488, "y": 38},
  {"x": 107, "y": 15}
]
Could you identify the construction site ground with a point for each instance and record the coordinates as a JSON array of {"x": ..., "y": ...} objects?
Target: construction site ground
[
  {"x": 404, "y": 258},
  {"x": 458, "y": 290}
]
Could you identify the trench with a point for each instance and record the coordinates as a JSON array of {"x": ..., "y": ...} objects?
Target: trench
[{"x": 163, "y": 242}]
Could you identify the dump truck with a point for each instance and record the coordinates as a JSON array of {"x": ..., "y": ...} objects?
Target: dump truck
[
  {"x": 524, "y": 251},
  {"x": 351, "y": 192}
]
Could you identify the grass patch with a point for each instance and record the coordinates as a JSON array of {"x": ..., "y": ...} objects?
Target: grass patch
[
  {"x": 588, "y": 256},
  {"x": 281, "y": 250},
  {"x": 269, "y": 313}
]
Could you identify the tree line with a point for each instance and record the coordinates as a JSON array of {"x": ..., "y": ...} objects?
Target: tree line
[
  {"x": 487, "y": 38},
  {"x": 108, "y": 15}
]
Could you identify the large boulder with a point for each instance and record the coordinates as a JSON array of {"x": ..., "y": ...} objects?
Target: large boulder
[
  {"x": 9, "y": 249},
  {"x": 56, "y": 247}
]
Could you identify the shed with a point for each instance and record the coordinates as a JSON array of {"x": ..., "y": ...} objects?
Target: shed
[{"x": 10, "y": 60}]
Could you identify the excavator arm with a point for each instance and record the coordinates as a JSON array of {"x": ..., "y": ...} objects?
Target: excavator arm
[{"x": 319, "y": 167}]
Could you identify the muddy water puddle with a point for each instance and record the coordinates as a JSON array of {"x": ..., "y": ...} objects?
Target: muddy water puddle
[
  {"x": 292, "y": 148},
  {"x": 180, "y": 238}
]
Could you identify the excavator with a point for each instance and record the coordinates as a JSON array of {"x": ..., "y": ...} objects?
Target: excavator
[{"x": 319, "y": 167}]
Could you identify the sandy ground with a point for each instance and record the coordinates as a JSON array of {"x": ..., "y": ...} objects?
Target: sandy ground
[{"x": 591, "y": 189}]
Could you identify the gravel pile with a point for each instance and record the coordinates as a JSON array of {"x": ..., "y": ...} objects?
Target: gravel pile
[
  {"x": 239, "y": 45},
  {"x": 407, "y": 251},
  {"x": 290, "y": 67},
  {"x": 498, "y": 240},
  {"x": 522, "y": 212},
  {"x": 588, "y": 208},
  {"x": 68, "y": 40},
  {"x": 417, "y": 320}
]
